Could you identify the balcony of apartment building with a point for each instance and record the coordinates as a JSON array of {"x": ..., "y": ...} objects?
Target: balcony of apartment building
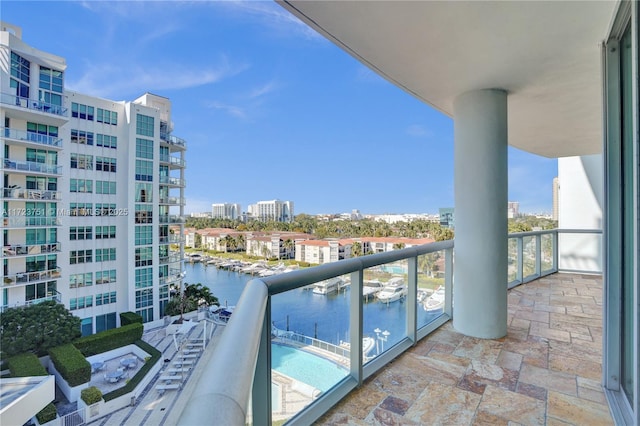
[
  {"x": 171, "y": 181},
  {"x": 172, "y": 200},
  {"x": 49, "y": 295},
  {"x": 17, "y": 193},
  {"x": 174, "y": 142},
  {"x": 170, "y": 258},
  {"x": 30, "y": 276},
  {"x": 20, "y": 250},
  {"x": 31, "y": 167},
  {"x": 559, "y": 347},
  {"x": 30, "y": 139},
  {"x": 546, "y": 368},
  {"x": 171, "y": 219},
  {"x": 173, "y": 161},
  {"x": 33, "y": 110},
  {"x": 22, "y": 218}
]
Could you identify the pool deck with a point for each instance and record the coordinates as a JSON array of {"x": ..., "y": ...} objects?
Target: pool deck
[{"x": 156, "y": 408}]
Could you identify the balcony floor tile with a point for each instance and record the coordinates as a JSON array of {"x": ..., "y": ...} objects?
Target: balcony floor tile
[{"x": 546, "y": 370}]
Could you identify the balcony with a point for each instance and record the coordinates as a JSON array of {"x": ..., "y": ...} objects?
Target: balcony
[
  {"x": 175, "y": 201},
  {"x": 172, "y": 181},
  {"x": 171, "y": 258},
  {"x": 54, "y": 296},
  {"x": 547, "y": 368},
  {"x": 171, "y": 239},
  {"x": 30, "y": 194},
  {"x": 173, "y": 140},
  {"x": 32, "y": 167},
  {"x": 171, "y": 219},
  {"x": 173, "y": 161},
  {"x": 21, "y": 221},
  {"x": 30, "y": 138},
  {"x": 23, "y": 278},
  {"x": 33, "y": 105},
  {"x": 17, "y": 250}
]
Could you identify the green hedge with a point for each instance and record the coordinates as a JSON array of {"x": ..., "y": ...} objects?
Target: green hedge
[
  {"x": 71, "y": 364},
  {"x": 127, "y": 318},
  {"x": 47, "y": 414},
  {"x": 26, "y": 365},
  {"x": 91, "y": 395},
  {"x": 133, "y": 382},
  {"x": 109, "y": 339}
]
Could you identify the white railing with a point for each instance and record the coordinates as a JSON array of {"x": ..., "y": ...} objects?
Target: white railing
[
  {"x": 32, "y": 166},
  {"x": 9, "y": 99}
]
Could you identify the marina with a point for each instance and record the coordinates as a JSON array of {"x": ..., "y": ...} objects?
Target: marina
[{"x": 320, "y": 316}]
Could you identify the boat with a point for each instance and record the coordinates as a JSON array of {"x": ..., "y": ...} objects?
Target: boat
[
  {"x": 392, "y": 293},
  {"x": 220, "y": 314},
  {"x": 435, "y": 302},
  {"x": 327, "y": 286},
  {"x": 194, "y": 258},
  {"x": 370, "y": 289}
]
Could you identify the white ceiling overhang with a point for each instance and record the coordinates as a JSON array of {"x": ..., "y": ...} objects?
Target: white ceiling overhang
[{"x": 545, "y": 54}]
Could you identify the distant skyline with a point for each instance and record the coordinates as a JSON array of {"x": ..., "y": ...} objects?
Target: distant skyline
[{"x": 269, "y": 108}]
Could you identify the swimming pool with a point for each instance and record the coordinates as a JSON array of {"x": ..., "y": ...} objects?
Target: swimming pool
[{"x": 306, "y": 367}]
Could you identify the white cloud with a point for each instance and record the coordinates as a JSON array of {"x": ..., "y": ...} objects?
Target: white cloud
[
  {"x": 418, "y": 131},
  {"x": 109, "y": 80},
  {"x": 263, "y": 90},
  {"x": 273, "y": 16},
  {"x": 233, "y": 110}
]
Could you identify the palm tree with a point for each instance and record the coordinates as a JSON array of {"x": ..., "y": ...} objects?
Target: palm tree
[
  {"x": 265, "y": 251},
  {"x": 398, "y": 246},
  {"x": 356, "y": 249},
  {"x": 288, "y": 244}
]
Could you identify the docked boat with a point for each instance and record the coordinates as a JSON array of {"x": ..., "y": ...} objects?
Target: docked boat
[
  {"x": 370, "y": 289},
  {"x": 391, "y": 294},
  {"x": 327, "y": 286},
  {"x": 194, "y": 258},
  {"x": 435, "y": 302}
]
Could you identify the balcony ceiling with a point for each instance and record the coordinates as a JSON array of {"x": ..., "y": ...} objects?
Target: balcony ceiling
[{"x": 546, "y": 54}]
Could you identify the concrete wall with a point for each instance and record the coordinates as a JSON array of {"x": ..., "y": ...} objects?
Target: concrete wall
[{"x": 580, "y": 202}]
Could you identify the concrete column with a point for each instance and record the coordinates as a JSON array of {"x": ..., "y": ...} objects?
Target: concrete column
[{"x": 480, "y": 160}]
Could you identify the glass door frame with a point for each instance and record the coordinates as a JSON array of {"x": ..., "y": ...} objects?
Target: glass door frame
[{"x": 622, "y": 234}]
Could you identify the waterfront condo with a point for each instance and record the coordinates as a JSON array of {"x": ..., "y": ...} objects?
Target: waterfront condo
[{"x": 93, "y": 194}]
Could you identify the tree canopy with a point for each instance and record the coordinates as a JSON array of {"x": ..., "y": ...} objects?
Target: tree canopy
[{"x": 36, "y": 328}]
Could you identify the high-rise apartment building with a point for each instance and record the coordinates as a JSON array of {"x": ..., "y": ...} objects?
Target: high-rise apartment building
[
  {"x": 226, "y": 211},
  {"x": 513, "y": 209},
  {"x": 280, "y": 211},
  {"x": 91, "y": 188}
]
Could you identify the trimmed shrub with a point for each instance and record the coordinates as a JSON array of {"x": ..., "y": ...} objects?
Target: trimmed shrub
[
  {"x": 127, "y": 318},
  {"x": 156, "y": 355},
  {"x": 109, "y": 339},
  {"x": 71, "y": 364},
  {"x": 91, "y": 395},
  {"x": 47, "y": 414},
  {"x": 26, "y": 365}
]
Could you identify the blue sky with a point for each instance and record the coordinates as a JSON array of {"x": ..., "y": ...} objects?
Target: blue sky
[{"x": 269, "y": 109}]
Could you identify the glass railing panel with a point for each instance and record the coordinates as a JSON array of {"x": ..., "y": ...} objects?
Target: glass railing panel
[
  {"x": 431, "y": 287},
  {"x": 384, "y": 317},
  {"x": 529, "y": 253},
  {"x": 546, "y": 253},
  {"x": 23, "y": 135},
  {"x": 512, "y": 266},
  {"x": 310, "y": 343}
]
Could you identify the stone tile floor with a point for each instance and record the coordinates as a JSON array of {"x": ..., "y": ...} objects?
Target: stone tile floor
[{"x": 547, "y": 370}]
